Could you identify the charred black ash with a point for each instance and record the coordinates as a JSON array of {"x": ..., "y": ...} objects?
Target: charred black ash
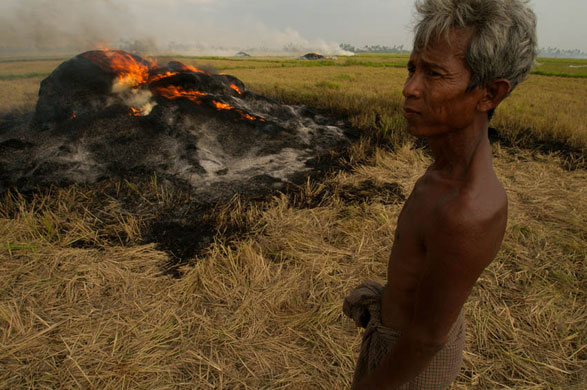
[{"x": 111, "y": 114}]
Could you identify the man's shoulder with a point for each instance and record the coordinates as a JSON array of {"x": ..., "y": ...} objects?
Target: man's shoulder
[
  {"x": 469, "y": 226},
  {"x": 468, "y": 210}
]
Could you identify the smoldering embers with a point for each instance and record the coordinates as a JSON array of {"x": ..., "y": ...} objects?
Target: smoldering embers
[{"x": 223, "y": 140}]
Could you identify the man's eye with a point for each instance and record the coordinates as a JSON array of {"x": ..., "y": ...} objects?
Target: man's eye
[{"x": 434, "y": 73}]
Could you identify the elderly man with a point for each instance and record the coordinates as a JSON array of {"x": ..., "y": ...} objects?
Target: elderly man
[{"x": 468, "y": 55}]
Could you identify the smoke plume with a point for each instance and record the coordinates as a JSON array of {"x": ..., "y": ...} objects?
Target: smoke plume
[
  {"x": 197, "y": 27},
  {"x": 64, "y": 24}
]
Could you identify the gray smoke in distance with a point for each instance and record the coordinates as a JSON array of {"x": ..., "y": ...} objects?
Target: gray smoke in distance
[
  {"x": 43, "y": 25},
  {"x": 147, "y": 26}
]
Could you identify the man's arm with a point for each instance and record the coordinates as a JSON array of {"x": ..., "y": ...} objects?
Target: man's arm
[{"x": 459, "y": 246}]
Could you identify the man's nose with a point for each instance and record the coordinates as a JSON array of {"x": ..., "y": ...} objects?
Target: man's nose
[{"x": 412, "y": 86}]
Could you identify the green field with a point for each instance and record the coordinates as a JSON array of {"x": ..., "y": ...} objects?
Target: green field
[
  {"x": 547, "y": 66},
  {"x": 561, "y": 67},
  {"x": 84, "y": 301}
]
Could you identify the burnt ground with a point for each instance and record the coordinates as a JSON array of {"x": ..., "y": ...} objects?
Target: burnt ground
[
  {"x": 186, "y": 230},
  {"x": 167, "y": 211},
  {"x": 184, "y": 226},
  {"x": 177, "y": 169},
  {"x": 170, "y": 216},
  {"x": 572, "y": 158}
]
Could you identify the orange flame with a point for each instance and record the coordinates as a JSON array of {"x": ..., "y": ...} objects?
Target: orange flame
[
  {"x": 161, "y": 76},
  {"x": 174, "y": 92},
  {"x": 134, "y": 74},
  {"x": 222, "y": 106},
  {"x": 130, "y": 72},
  {"x": 251, "y": 118},
  {"x": 191, "y": 68}
]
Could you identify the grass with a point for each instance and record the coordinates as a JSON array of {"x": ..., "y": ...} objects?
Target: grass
[
  {"x": 85, "y": 300},
  {"x": 561, "y": 67},
  {"x": 18, "y": 95},
  {"x": 547, "y": 110},
  {"x": 30, "y": 75},
  {"x": 28, "y": 67}
]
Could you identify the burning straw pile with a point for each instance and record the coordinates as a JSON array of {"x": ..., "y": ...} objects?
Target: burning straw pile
[{"x": 111, "y": 114}]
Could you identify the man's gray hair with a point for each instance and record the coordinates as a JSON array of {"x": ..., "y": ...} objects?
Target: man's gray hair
[{"x": 503, "y": 44}]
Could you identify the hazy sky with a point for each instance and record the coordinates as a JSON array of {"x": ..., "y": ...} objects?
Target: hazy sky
[{"x": 317, "y": 24}]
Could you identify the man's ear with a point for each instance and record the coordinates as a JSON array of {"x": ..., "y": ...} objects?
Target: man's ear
[{"x": 495, "y": 91}]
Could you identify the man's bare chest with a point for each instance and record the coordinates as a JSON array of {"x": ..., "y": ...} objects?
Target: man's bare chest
[
  {"x": 409, "y": 248},
  {"x": 416, "y": 217}
]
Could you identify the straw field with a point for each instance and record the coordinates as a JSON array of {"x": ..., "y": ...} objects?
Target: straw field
[{"x": 86, "y": 299}]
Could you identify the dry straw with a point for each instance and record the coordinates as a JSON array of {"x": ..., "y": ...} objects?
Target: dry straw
[{"x": 264, "y": 311}]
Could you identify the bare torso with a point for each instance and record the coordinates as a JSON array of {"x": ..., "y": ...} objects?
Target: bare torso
[{"x": 432, "y": 198}]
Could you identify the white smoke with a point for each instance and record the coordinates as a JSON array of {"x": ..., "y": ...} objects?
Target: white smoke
[
  {"x": 147, "y": 27},
  {"x": 62, "y": 24},
  {"x": 140, "y": 98}
]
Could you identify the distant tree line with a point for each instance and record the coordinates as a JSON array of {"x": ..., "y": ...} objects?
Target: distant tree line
[
  {"x": 560, "y": 53},
  {"x": 374, "y": 48},
  {"x": 543, "y": 52}
]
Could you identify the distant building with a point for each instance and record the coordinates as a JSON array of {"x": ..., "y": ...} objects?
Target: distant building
[
  {"x": 242, "y": 54},
  {"x": 312, "y": 56}
]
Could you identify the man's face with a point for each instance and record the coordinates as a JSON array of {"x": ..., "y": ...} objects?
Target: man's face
[{"x": 436, "y": 97}]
